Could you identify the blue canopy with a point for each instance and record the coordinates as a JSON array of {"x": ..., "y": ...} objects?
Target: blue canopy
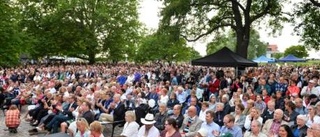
[
  {"x": 263, "y": 59},
  {"x": 291, "y": 58}
]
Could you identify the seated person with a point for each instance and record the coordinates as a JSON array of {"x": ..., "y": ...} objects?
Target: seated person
[
  {"x": 116, "y": 110},
  {"x": 64, "y": 115},
  {"x": 177, "y": 115},
  {"x": 191, "y": 123},
  {"x": 96, "y": 129},
  {"x": 131, "y": 127},
  {"x": 161, "y": 117}
]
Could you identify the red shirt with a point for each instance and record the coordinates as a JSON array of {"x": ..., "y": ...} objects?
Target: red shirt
[{"x": 266, "y": 99}]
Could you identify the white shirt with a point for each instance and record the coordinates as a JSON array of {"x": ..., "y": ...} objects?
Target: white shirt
[
  {"x": 53, "y": 90},
  {"x": 247, "y": 123},
  {"x": 307, "y": 91},
  {"x": 153, "y": 132},
  {"x": 316, "y": 119},
  {"x": 164, "y": 99},
  {"x": 202, "y": 115},
  {"x": 130, "y": 129}
]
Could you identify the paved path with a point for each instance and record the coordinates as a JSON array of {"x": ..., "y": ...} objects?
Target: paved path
[{"x": 25, "y": 126}]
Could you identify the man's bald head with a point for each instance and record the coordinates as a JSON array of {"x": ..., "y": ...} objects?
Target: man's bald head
[{"x": 192, "y": 111}]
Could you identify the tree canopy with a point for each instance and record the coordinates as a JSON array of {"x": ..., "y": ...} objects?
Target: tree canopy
[
  {"x": 81, "y": 28},
  {"x": 162, "y": 46},
  {"x": 12, "y": 41},
  {"x": 298, "y": 51},
  {"x": 307, "y": 17},
  {"x": 197, "y": 19},
  {"x": 256, "y": 47}
]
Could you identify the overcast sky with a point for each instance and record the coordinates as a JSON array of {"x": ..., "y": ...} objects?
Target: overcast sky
[{"x": 149, "y": 15}]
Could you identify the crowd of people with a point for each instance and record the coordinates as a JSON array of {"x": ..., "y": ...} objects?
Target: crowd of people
[{"x": 161, "y": 100}]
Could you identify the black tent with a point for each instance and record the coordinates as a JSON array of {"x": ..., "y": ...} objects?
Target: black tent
[{"x": 224, "y": 58}]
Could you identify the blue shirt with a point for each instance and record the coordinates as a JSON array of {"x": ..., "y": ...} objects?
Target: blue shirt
[
  {"x": 296, "y": 132},
  {"x": 302, "y": 111},
  {"x": 181, "y": 97},
  {"x": 281, "y": 87},
  {"x": 210, "y": 128},
  {"x": 235, "y": 131},
  {"x": 121, "y": 80}
]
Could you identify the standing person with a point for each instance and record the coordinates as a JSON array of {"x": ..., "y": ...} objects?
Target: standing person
[
  {"x": 171, "y": 129},
  {"x": 285, "y": 131},
  {"x": 148, "y": 129},
  {"x": 12, "y": 119},
  {"x": 131, "y": 127},
  {"x": 255, "y": 130}
]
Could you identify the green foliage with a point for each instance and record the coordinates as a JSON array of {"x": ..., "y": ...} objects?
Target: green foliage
[
  {"x": 197, "y": 19},
  {"x": 277, "y": 55},
  {"x": 11, "y": 40},
  {"x": 298, "y": 51},
  {"x": 256, "y": 47},
  {"x": 81, "y": 28},
  {"x": 164, "y": 47},
  {"x": 307, "y": 25}
]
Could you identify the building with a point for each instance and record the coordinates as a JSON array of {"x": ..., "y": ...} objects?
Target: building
[{"x": 272, "y": 49}]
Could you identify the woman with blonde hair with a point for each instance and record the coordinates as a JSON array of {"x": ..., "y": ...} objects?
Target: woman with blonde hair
[
  {"x": 254, "y": 115},
  {"x": 250, "y": 105},
  {"x": 82, "y": 128},
  {"x": 131, "y": 127}
]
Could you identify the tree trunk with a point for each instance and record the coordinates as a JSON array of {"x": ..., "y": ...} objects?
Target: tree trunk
[
  {"x": 92, "y": 58},
  {"x": 243, "y": 38}
]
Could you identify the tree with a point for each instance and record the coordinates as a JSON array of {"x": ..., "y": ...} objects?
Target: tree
[
  {"x": 11, "y": 40},
  {"x": 298, "y": 51},
  {"x": 307, "y": 25},
  {"x": 197, "y": 19},
  {"x": 162, "y": 46},
  {"x": 256, "y": 47},
  {"x": 82, "y": 28},
  {"x": 277, "y": 55}
]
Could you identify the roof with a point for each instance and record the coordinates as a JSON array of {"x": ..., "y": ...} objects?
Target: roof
[
  {"x": 224, "y": 58},
  {"x": 291, "y": 58}
]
